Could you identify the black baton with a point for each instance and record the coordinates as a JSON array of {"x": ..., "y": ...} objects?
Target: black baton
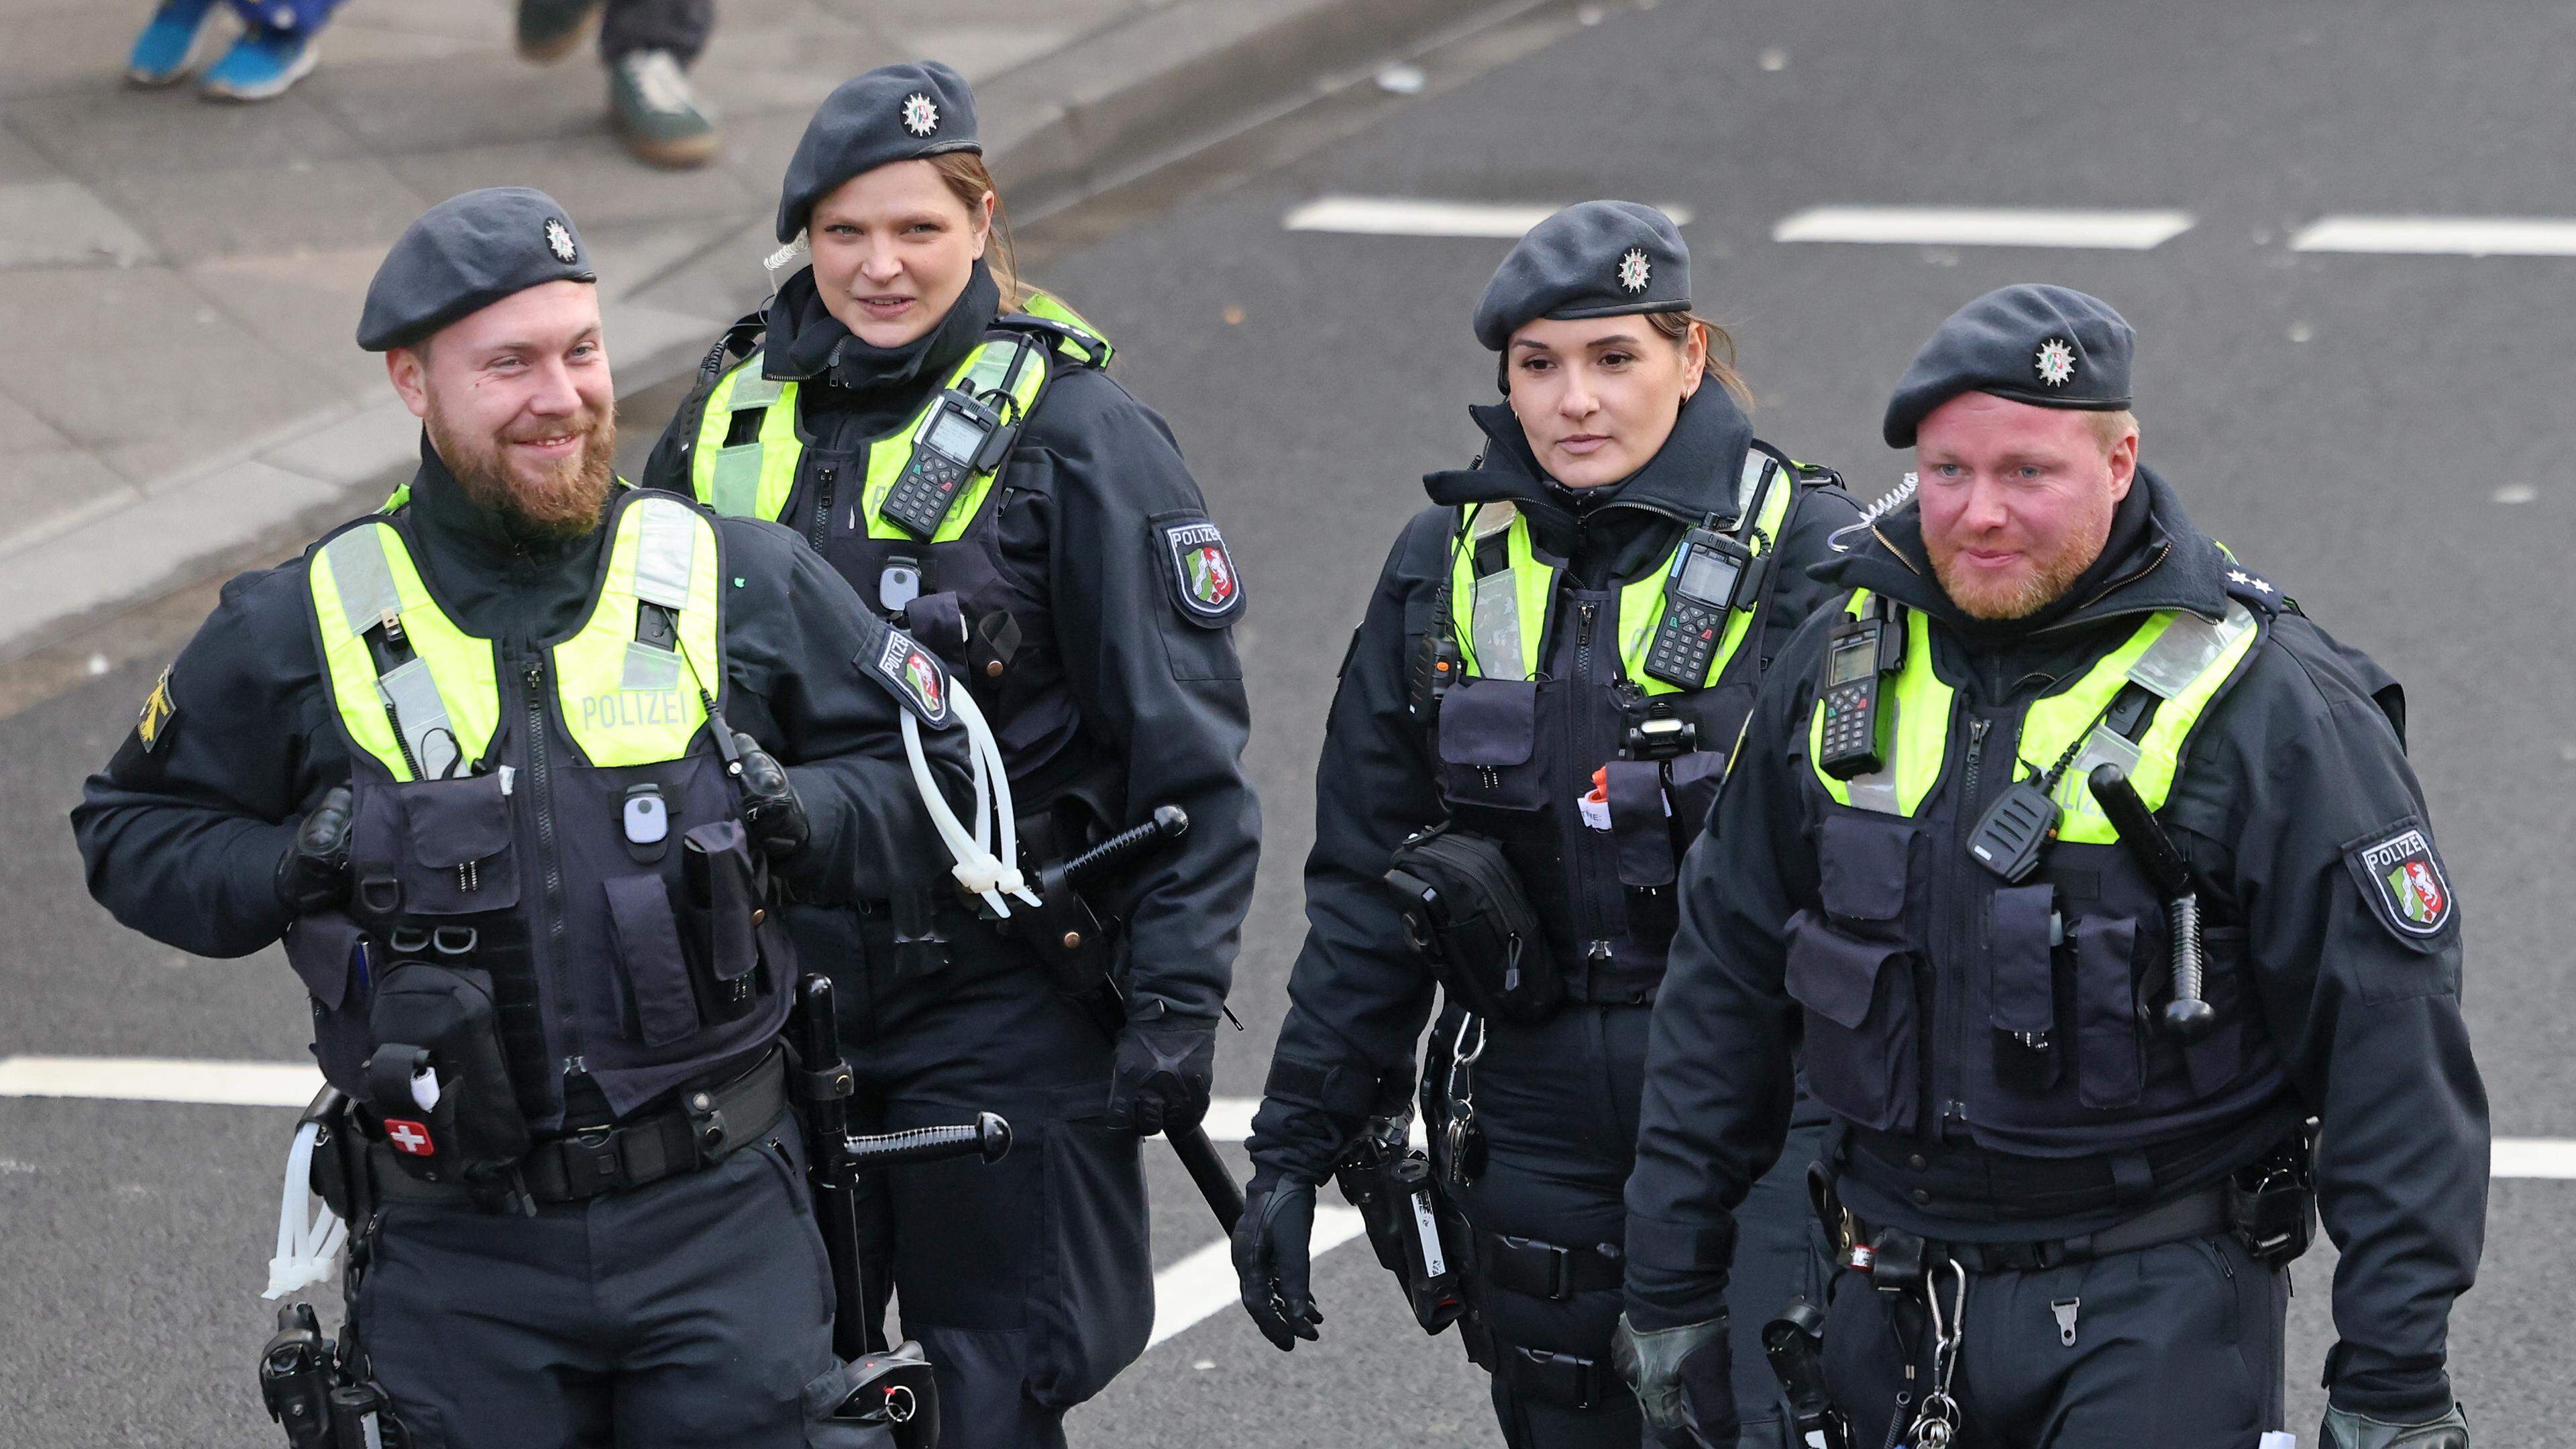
[{"x": 2187, "y": 1015}]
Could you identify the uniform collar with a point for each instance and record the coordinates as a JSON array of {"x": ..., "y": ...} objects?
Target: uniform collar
[
  {"x": 2157, "y": 558},
  {"x": 1692, "y": 476}
]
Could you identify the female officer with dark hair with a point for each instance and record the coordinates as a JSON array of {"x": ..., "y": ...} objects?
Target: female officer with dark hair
[
  {"x": 952, "y": 443},
  {"x": 1534, "y": 716}
]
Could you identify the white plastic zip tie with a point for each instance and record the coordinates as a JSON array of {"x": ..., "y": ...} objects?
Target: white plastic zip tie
[
  {"x": 976, "y": 868},
  {"x": 308, "y": 1235},
  {"x": 1005, "y": 819}
]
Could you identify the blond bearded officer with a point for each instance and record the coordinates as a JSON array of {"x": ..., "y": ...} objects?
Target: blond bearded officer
[
  {"x": 2096, "y": 1184},
  {"x": 468, "y": 757}
]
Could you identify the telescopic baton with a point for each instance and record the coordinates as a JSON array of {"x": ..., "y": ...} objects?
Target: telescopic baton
[{"x": 2187, "y": 1016}]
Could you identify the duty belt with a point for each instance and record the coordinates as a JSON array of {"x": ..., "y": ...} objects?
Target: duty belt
[
  {"x": 707, "y": 1125},
  {"x": 1898, "y": 1257},
  {"x": 1545, "y": 1270}
]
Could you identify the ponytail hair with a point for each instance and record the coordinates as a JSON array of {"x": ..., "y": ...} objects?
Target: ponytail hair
[
  {"x": 970, "y": 183},
  {"x": 1720, "y": 368}
]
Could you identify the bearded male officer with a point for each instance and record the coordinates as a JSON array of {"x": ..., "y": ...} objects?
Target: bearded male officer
[
  {"x": 511, "y": 767},
  {"x": 2077, "y": 1195}
]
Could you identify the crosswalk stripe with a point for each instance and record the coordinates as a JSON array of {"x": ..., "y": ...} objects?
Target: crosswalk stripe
[
  {"x": 1420, "y": 216},
  {"x": 1200, "y": 1284},
  {"x": 1966, "y": 226},
  {"x": 2464, "y": 236}
]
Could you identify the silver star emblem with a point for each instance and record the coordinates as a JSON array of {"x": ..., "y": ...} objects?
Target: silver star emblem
[
  {"x": 2239, "y": 576},
  {"x": 2055, "y": 362},
  {"x": 1634, "y": 270},
  {"x": 559, "y": 241},
  {"x": 920, "y": 114},
  {"x": 2261, "y": 587}
]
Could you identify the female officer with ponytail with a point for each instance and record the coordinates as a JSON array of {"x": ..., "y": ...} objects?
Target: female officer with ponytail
[
  {"x": 951, "y": 441},
  {"x": 1533, "y": 718}
]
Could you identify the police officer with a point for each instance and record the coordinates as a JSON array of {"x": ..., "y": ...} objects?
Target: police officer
[
  {"x": 2075, "y": 1174},
  {"x": 511, "y": 766},
  {"x": 950, "y": 441},
  {"x": 1607, "y": 586}
]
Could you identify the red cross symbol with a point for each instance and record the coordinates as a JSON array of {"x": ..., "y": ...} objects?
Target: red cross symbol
[{"x": 409, "y": 1137}]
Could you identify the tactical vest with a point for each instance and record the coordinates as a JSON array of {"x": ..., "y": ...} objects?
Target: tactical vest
[
  {"x": 1940, "y": 1000},
  {"x": 558, "y": 821},
  {"x": 1552, "y": 687},
  {"x": 752, "y": 457}
]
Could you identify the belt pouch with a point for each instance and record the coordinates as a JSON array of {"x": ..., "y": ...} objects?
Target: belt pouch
[
  {"x": 722, "y": 883},
  {"x": 441, "y": 1017},
  {"x": 1467, "y": 911}
]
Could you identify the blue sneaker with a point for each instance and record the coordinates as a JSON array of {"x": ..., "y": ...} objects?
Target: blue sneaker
[
  {"x": 174, "y": 42},
  {"x": 262, "y": 64}
]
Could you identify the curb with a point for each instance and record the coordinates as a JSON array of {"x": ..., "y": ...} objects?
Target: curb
[{"x": 1102, "y": 110}]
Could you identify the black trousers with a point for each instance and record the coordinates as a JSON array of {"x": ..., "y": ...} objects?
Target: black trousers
[
  {"x": 678, "y": 26},
  {"x": 2175, "y": 1347},
  {"x": 1558, "y": 1106},
  {"x": 1029, "y": 1282},
  {"x": 689, "y": 1312}
]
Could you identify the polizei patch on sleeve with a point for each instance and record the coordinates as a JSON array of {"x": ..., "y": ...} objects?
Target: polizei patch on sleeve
[
  {"x": 1204, "y": 581},
  {"x": 2404, "y": 880},
  {"x": 903, "y": 666}
]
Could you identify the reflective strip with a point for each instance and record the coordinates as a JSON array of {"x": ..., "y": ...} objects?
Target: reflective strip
[
  {"x": 1496, "y": 616},
  {"x": 755, "y": 390},
  {"x": 2213, "y": 653},
  {"x": 648, "y": 668},
  {"x": 665, "y": 555},
  {"x": 366, "y": 580},
  {"x": 412, "y": 692},
  {"x": 1508, "y": 609},
  {"x": 754, "y": 479},
  {"x": 2185, "y": 650}
]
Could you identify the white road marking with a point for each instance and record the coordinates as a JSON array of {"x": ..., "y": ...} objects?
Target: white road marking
[
  {"x": 1417, "y": 216},
  {"x": 1963, "y": 226},
  {"x": 2462, "y": 236},
  {"x": 161, "y": 1079},
  {"x": 2553, "y": 1157},
  {"x": 1204, "y": 1282}
]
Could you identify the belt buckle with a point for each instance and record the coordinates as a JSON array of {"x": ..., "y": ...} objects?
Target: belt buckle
[
  {"x": 601, "y": 1165},
  {"x": 1560, "y": 1271}
]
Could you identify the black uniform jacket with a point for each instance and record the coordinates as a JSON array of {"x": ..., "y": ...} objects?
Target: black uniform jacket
[
  {"x": 2299, "y": 762},
  {"x": 1358, "y": 994},
  {"x": 1158, "y": 703},
  {"x": 182, "y": 835}
]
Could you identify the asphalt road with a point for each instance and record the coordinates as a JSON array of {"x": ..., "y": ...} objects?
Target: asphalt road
[{"x": 2380, "y": 434}]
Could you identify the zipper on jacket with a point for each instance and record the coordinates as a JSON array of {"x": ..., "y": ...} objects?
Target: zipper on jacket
[
  {"x": 1583, "y": 639},
  {"x": 1945, "y": 1042},
  {"x": 824, "y": 477},
  {"x": 541, "y": 799}
]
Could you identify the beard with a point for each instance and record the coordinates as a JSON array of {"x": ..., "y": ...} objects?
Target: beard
[
  {"x": 566, "y": 500},
  {"x": 2042, "y": 581}
]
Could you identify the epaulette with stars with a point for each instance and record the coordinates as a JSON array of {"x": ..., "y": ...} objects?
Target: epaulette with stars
[{"x": 2255, "y": 591}]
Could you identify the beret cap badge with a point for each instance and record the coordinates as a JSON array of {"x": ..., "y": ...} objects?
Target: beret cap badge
[
  {"x": 1634, "y": 270},
  {"x": 920, "y": 114},
  {"x": 2055, "y": 362},
  {"x": 559, "y": 241}
]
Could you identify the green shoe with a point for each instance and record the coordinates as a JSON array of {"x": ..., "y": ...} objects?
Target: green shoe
[
  {"x": 549, "y": 30},
  {"x": 655, "y": 112}
]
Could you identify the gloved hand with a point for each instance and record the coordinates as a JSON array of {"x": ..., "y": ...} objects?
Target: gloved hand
[
  {"x": 313, "y": 874},
  {"x": 1164, "y": 1071},
  {"x": 2344, "y": 1429},
  {"x": 771, "y": 814},
  {"x": 1683, "y": 1378},
  {"x": 1270, "y": 1261}
]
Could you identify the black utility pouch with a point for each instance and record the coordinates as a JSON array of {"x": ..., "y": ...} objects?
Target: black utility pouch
[
  {"x": 441, "y": 1017},
  {"x": 723, "y": 883},
  {"x": 2272, "y": 1204},
  {"x": 1466, "y": 911}
]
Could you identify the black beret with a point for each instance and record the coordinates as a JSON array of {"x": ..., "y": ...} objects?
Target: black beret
[
  {"x": 893, "y": 113},
  {"x": 465, "y": 254},
  {"x": 1595, "y": 259},
  {"x": 2051, "y": 346}
]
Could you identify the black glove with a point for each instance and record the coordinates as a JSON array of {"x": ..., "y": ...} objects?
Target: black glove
[
  {"x": 1164, "y": 1072},
  {"x": 313, "y": 874},
  {"x": 2344, "y": 1429},
  {"x": 771, "y": 814},
  {"x": 1683, "y": 1378},
  {"x": 1270, "y": 1261}
]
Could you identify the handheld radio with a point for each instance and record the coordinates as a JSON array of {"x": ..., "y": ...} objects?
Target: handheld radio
[
  {"x": 1710, "y": 573},
  {"x": 1858, "y": 656},
  {"x": 962, "y": 437}
]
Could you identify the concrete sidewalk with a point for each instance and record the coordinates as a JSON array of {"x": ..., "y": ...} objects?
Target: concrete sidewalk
[{"x": 179, "y": 281}]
